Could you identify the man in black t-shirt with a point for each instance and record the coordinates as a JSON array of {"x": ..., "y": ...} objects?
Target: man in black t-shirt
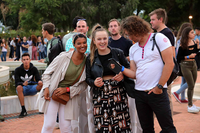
[
  {"x": 27, "y": 81},
  {"x": 116, "y": 40},
  {"x": 158, "y": 20}
]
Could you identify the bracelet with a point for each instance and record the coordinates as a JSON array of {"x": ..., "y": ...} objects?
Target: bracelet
[
  {"x": 68, "y": 90},
  {"x": 188, "y": 57},
  {"x": 122, "y": 69}
]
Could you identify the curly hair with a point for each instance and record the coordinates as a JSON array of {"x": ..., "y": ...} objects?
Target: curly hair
[
  {"x": 185, "y": 37},
  {"x": 34, "y": 40},
  {"x": 135, "y": 25}
]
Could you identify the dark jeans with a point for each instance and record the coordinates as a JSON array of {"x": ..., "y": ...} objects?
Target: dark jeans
[
  {"x": 41, "y": 55},
  {"x": 11, "y": 55},
  {"x": 146, "y": 104},
  {"x": 189, "y": 71}
]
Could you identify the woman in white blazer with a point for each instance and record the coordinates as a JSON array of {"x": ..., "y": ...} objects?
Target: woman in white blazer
[{"x": 59, "y": 76}]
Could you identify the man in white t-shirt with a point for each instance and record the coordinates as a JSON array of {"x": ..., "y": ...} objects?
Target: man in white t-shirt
[{"x": 151, "y": 74}]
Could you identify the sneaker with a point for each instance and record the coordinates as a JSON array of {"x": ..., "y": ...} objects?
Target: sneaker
[
  {"x": 57, "y": 125},
  {"x": 1, "y": 118},
  {"x": 184, "y": 101},
  {"x": 196, "y": 107},
  {"x": 193, "y": 109},
  {"x": 22, "y": 114},
  {"x": 176, "y": 96}
]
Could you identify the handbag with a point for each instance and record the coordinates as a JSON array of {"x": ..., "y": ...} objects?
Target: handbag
[
  {"x": 64, "y": 98},
  {"x": 175, "y": 71},
  {"x": 129, "y": 85}
]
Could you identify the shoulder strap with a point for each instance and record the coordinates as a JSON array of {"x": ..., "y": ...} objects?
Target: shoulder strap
[
  {"x": 154, "y": 43},
  {"x": 79, "y": 75},
  {"x": 52, "y": 41}
]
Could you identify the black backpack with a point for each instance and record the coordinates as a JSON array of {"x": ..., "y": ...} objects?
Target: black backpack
[
  {"x": 175, "y": 71},
  {"x": 55, "y": 50}
]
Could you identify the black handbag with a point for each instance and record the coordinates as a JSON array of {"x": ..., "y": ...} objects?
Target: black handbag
[
  {"x": 129, "y": 85},
  {"x": 175, "y": 71}
]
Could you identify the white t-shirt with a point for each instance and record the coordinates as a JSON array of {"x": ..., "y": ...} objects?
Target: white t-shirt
[
  {"x": 3, "y": 48},
  {"x": 149, "y": 64}
]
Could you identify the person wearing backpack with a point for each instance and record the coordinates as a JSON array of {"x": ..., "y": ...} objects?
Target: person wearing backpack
[
  {"x": 48, "y": 32},
  {"x": 158, "y": 22},
  {"x": 146, "y": 66}
]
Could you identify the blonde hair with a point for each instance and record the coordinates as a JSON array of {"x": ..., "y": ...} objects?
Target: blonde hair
[{"x": 96, "y": 28}]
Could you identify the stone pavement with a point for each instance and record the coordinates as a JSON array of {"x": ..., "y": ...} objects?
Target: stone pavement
[{"x": 184, "y": 122}]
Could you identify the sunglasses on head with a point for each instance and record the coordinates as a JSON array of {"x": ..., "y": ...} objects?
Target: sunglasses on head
[{"x": 81, "y": 19}]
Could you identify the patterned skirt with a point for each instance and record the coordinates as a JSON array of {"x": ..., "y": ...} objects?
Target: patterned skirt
[{"x": 111, "y": 111}]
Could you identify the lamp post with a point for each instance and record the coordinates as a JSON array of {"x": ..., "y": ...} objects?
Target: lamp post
[{"x": 190, "y": 19}]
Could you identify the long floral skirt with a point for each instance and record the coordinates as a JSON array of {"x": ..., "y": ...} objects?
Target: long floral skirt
[{"x": 111, "y": 111}]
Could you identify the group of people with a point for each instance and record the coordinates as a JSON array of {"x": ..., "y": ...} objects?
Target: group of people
[
  {"x": 98, "y": 98},
  {"x": 35, "y": 46},
  {"x": 105, "y": 100}
]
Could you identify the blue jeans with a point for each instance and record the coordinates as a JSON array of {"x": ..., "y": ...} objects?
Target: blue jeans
[
  {"x": 29, "y": 90},
  {"x": 24, "y": 52},
  {"x": 182, "y": 89},
  {"x": 41, "y": 55},
  {"x": 3, "y": 56}
]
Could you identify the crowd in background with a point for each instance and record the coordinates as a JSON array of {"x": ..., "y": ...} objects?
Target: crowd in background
[{"x": 16, "y": 46}]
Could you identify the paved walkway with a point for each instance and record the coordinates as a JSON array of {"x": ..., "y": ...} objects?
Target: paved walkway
[{"x": 184, "y": 122}]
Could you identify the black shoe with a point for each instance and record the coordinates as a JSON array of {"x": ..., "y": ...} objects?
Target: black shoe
[
  {"x": 1, "y": 118},
  {"x": 22, "y": 114}
]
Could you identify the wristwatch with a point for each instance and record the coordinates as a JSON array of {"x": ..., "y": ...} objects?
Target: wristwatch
[{"x": 159, "y": 86}]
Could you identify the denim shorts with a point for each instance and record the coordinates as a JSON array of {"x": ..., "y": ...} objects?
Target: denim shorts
[{"x": 29, "y": 90}]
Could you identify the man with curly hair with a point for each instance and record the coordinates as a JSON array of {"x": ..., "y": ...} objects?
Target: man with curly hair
[{"x": 151, "y": 74}]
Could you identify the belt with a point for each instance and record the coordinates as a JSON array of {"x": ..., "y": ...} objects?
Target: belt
[{"x": 143, "y": 90}]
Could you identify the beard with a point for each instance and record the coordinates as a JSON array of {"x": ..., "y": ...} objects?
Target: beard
[{"x": 115, "y": 34}]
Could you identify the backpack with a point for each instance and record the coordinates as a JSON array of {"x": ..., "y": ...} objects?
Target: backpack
[
  {"x": 55, "y": 50},
  {"x": 175, "y": 71}
]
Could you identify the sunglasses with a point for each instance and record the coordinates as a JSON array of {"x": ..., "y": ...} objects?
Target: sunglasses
[{"x": 81, "y": 19}]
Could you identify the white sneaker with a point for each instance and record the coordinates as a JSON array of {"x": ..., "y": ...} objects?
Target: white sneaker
[
  {"x": 196, "y": 107},
  {"x": 57, "y": 125},
  {"x": 193, "y": 109}
]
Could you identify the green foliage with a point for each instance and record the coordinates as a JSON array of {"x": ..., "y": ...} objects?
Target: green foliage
[{"x": 31, "y": 14}]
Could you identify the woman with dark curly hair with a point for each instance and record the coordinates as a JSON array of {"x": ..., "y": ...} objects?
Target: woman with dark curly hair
[
  {"x": 34, "y": 47},
  {"x": 186, "y": 57}
]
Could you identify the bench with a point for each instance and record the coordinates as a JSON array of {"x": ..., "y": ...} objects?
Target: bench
[{"x": 11, "y": 104}]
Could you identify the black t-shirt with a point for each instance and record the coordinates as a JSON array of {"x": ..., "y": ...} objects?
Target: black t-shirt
[
  {"x": 167, "y": 32},
  {"x": 122, "y": 43},
  {"x": 185, "y": 52},
  {"x": 104, "y": 61}
]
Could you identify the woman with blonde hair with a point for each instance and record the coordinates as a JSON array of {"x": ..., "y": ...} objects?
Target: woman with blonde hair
[{"x": 109, "y": 98}]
